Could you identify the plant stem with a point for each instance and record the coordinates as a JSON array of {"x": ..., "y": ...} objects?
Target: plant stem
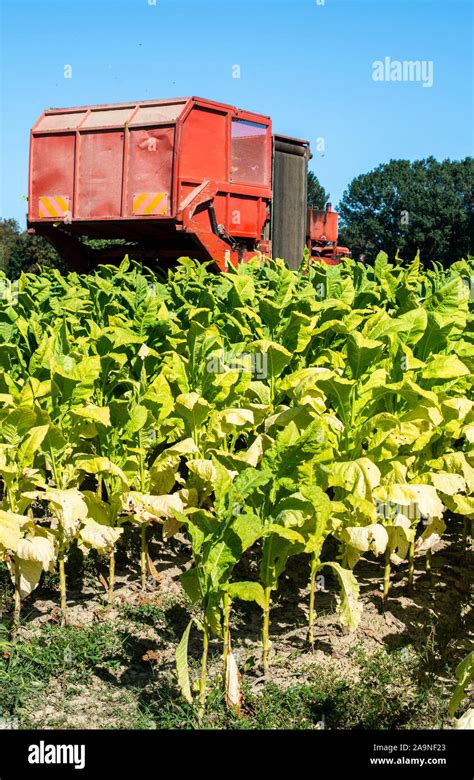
[
  {"x": 143, "y": 562},
  {"x": 312, "y": 613},
  {"x": 17, "y": 602},
  {"x": 411, "y": 564},
  {"x": 466, "y": 534},
  {"x": 226, "y": 631},
  {"x": 386, "y": 577},
  {"x": 428, "y": 560},
  {"x": 266, "y": 631},
  {"x": 202, "y": 684},
  {"x": 62, "y": 582},
  {"x": 111, "y": 575},
  {"x": 99, "y": 486}
]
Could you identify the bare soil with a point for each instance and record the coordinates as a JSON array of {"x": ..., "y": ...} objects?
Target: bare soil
[{"x": 433, "y": 619}]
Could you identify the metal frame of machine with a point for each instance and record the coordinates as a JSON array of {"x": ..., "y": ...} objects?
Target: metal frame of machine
[{"x": 185, "y": 176}]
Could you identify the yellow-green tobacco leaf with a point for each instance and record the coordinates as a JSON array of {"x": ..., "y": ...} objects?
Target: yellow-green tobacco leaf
[
  {"x": 221, "y": 386},
  {"x": 446, "y": 482},
  {"x": 408, "y": 390},
  {"x": 442, "y": 367},
  {"x": 315, "y": 401},
  {"x": 339, "y": 392},
  {"x": 248, "y": 527},
  {"x": 204, "y": 469},
  {"x": 350, "y": 556},
  {"x": 175, "y": 371},
  {"x": 360, "y": 510},
  {"x": 222, "y": 484},
  {"x": 259, "y": 411},
  {"x": 300, "y": 415},
  {"x": 163, "y": 477},
  {"x": 146, "y": 351},
  {"x": 100, "y": 511},
  {"x": 33, "y": 389},
  {"x": 193, "y": 409},
  {"x": 468, "y": 432},
  {"x": 466, "y": 721},
  {"x": 333, "y": 422},
  {"x": 431, "y": 535},
  {"x": 464, "y": 676},
  {"x": 30, "y": 445},
  {"x": 244, "y": 287},
  {"x": 100, "y": 414},
  {"x": 359, "y": 477},
  {"x": 38, "y": 548},
  {"x": 253, "y": 455},
  {"x": 85, "y": 371},
  {"x": 294, "y": 511},
  {"x": 138, "y": 416},
  {"x": 409, "y": 362},
  {"x": 400, "y": 536},
  {"x": 349, "y": 608},
  {"x": 68, "y": 506},
  {"x": 182, "y": 667},
  {"x": 456, "y": 408},
  {"x": 362, "y": 353},
  {"x": 8, "y": 472},
  {"x": 372, "y": 537},
  {"x": 246, "y": 591},
  {"x": 285, "y": 533},
  {"x": 17, "y": 424},
  {"x": 457, "y": 463},
  {"x": 159, "y": 398},
  {"x": 423, "y": 412},
  {"x": 10, "y": 529},
  {"x": 30, "y": 574},
  {"x": 414, "y": 324},
  {"x": 270, "y": 313},
  {"x": 236, "y": 418},
  {"x": 160, "y": 507},
  {"x": 102, "y": 465},
  {"x": 298, "y": 332},
  {"x": 147, "y": 508},
  {"x": 395, "y": 472},
  {"x": 276, "y": 356},
  {"x": 99, "y": 537},
  {"x": 179, "y": 448},
  {"x": 304, "y": 380},
  {"x": 372, "y": 386},
  {"x": 424, "y": 497},
  {"x": 461, "y": 505}
]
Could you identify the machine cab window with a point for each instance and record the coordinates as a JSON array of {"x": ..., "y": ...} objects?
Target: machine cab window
[{"x": 249, "y": 152}]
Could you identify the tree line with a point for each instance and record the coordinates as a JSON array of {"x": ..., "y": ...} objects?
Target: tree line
[{"x": 423, "y": 205}]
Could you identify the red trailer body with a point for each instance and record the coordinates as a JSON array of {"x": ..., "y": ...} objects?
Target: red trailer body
[
  {"x": 184, "y": 176},
  {"x": 322, "y": 235}
]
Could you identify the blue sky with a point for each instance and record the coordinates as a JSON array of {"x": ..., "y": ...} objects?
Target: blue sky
[{"x": 307, "y": 64}]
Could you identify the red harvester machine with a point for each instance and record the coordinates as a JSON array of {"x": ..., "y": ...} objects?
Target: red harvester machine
[{"x": 184, "y": 176}]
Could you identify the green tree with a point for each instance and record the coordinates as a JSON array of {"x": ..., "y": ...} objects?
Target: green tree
[
  {"x": 425, "y": 205},
  {"x": 21, "y": 251},
  {"x": 316, "y": 197},
  {"x": 9, "y": 232}
]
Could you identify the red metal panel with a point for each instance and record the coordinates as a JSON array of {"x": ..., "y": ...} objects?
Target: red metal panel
[
  {"x": 203, "y": 141},
  {"x": 323, "y": 225},
  {"x": 52, "y": 169},
  {"x": 150, "y": 163},
  {"x": 99, "y": 185},
  {"x": 243, "y": 216}
]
